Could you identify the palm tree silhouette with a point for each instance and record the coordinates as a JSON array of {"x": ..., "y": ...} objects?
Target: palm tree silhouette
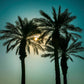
[
  {"x": 70, "y": 50},
  {"x": 56, "y": 29},
  {"x": 21, "y": 36},
  {"x": 64, "y": 58}
]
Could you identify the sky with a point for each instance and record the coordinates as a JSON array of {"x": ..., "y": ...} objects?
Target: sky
[{"x": 38, "y": 70}]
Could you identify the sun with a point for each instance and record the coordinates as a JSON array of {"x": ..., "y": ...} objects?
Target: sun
[{"x": 36, "y": 38}]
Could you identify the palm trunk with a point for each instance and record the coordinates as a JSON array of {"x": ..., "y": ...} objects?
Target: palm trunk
[
  {"x": 64, "y": 68},
  {"x": 57, "y": 70},
  {"x": 23, "y": 71},
  {"x": 65, "y": 78},
  {"x": 22, "y": 54},
  {"x": 55, "y": 43}
]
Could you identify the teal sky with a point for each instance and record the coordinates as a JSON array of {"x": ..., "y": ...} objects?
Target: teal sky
[{"x": 38, "y": 70}]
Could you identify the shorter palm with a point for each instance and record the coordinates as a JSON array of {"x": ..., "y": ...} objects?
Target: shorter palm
[
  {"x": 71, "y": 50},
  {"x": 65, "y": 54},
  {"x": 21, "y": 36}
]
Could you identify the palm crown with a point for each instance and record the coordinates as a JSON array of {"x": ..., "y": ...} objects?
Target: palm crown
[
  {"x": 16, "y": 34},
  {"x": 60, "y": 24},
  {"x": 72, "y": 49}
]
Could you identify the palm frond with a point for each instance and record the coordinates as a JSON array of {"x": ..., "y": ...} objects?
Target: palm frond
[
  {"x": 17, "y": 50},
  {"x": 77, "y": 45},
  {"x": 49, "y": 48},
  {"x": 8, "y": 32},
  {"x": 59, "y": 12},
  {"x": 28, "y": 48},
  {"x": 46, "y": 28},
  {"x": 40, "y": 47},
  {"x": 41, "y": 22},
  {"x": 75, "y": 50},
  {"x": 46, "y": 16},
  {"x": 73, "y": 28},
  {"x": 17, "y": 24},
  {"x": 54, "y": 14},
  {"x": 75, "y": 35},
  {"x": 12, "y": 46},
  {"x": 25, "y": 21},
  {"x": 73, "y": 45},
  {"x": 48, "y": 39},
  {"x": 52, "y": 59},
  {"x": 64, "y": 15},
  {"x": 36, "y": 47},
  {"x": 9, "y": 41},
  {"x": 45, "y": 33},
  {"x": 52, "y": 55},
  {"x": 10, "y": 26},
  {"x": 69, "y": 19},
  {"x": 5, "y": 37},
  {"x": 78, "y": 56},
  {"x": 21, "y": 22},
  {"x": 36, "y": 50},
  {"x": 33, "y": 32},
  {"x": 50, "y": 43},
  {"x": 46, "y": 55},
  {"x": 69, "y": 57}
]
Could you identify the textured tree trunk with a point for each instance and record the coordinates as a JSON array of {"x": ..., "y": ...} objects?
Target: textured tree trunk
[
  {"x": 57, "y": 70},
  {"x": 23, "y": 71}
]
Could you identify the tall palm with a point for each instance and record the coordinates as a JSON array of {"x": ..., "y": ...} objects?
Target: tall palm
[
  {"x": 55, "y": 28},
  {"x": 21, "y": 36}
]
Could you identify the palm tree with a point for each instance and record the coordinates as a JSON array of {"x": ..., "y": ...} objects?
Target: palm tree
[
  {"x": 67, "y": 52},
  {"x": 21, "y": 36},
  {"x": 55, "y": 28},
  {"x": 64, "y": 66},
  {"x": 70, "y": 49}
]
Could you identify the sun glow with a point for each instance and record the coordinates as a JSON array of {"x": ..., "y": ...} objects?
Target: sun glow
[{"x": 36, "y": 38}]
